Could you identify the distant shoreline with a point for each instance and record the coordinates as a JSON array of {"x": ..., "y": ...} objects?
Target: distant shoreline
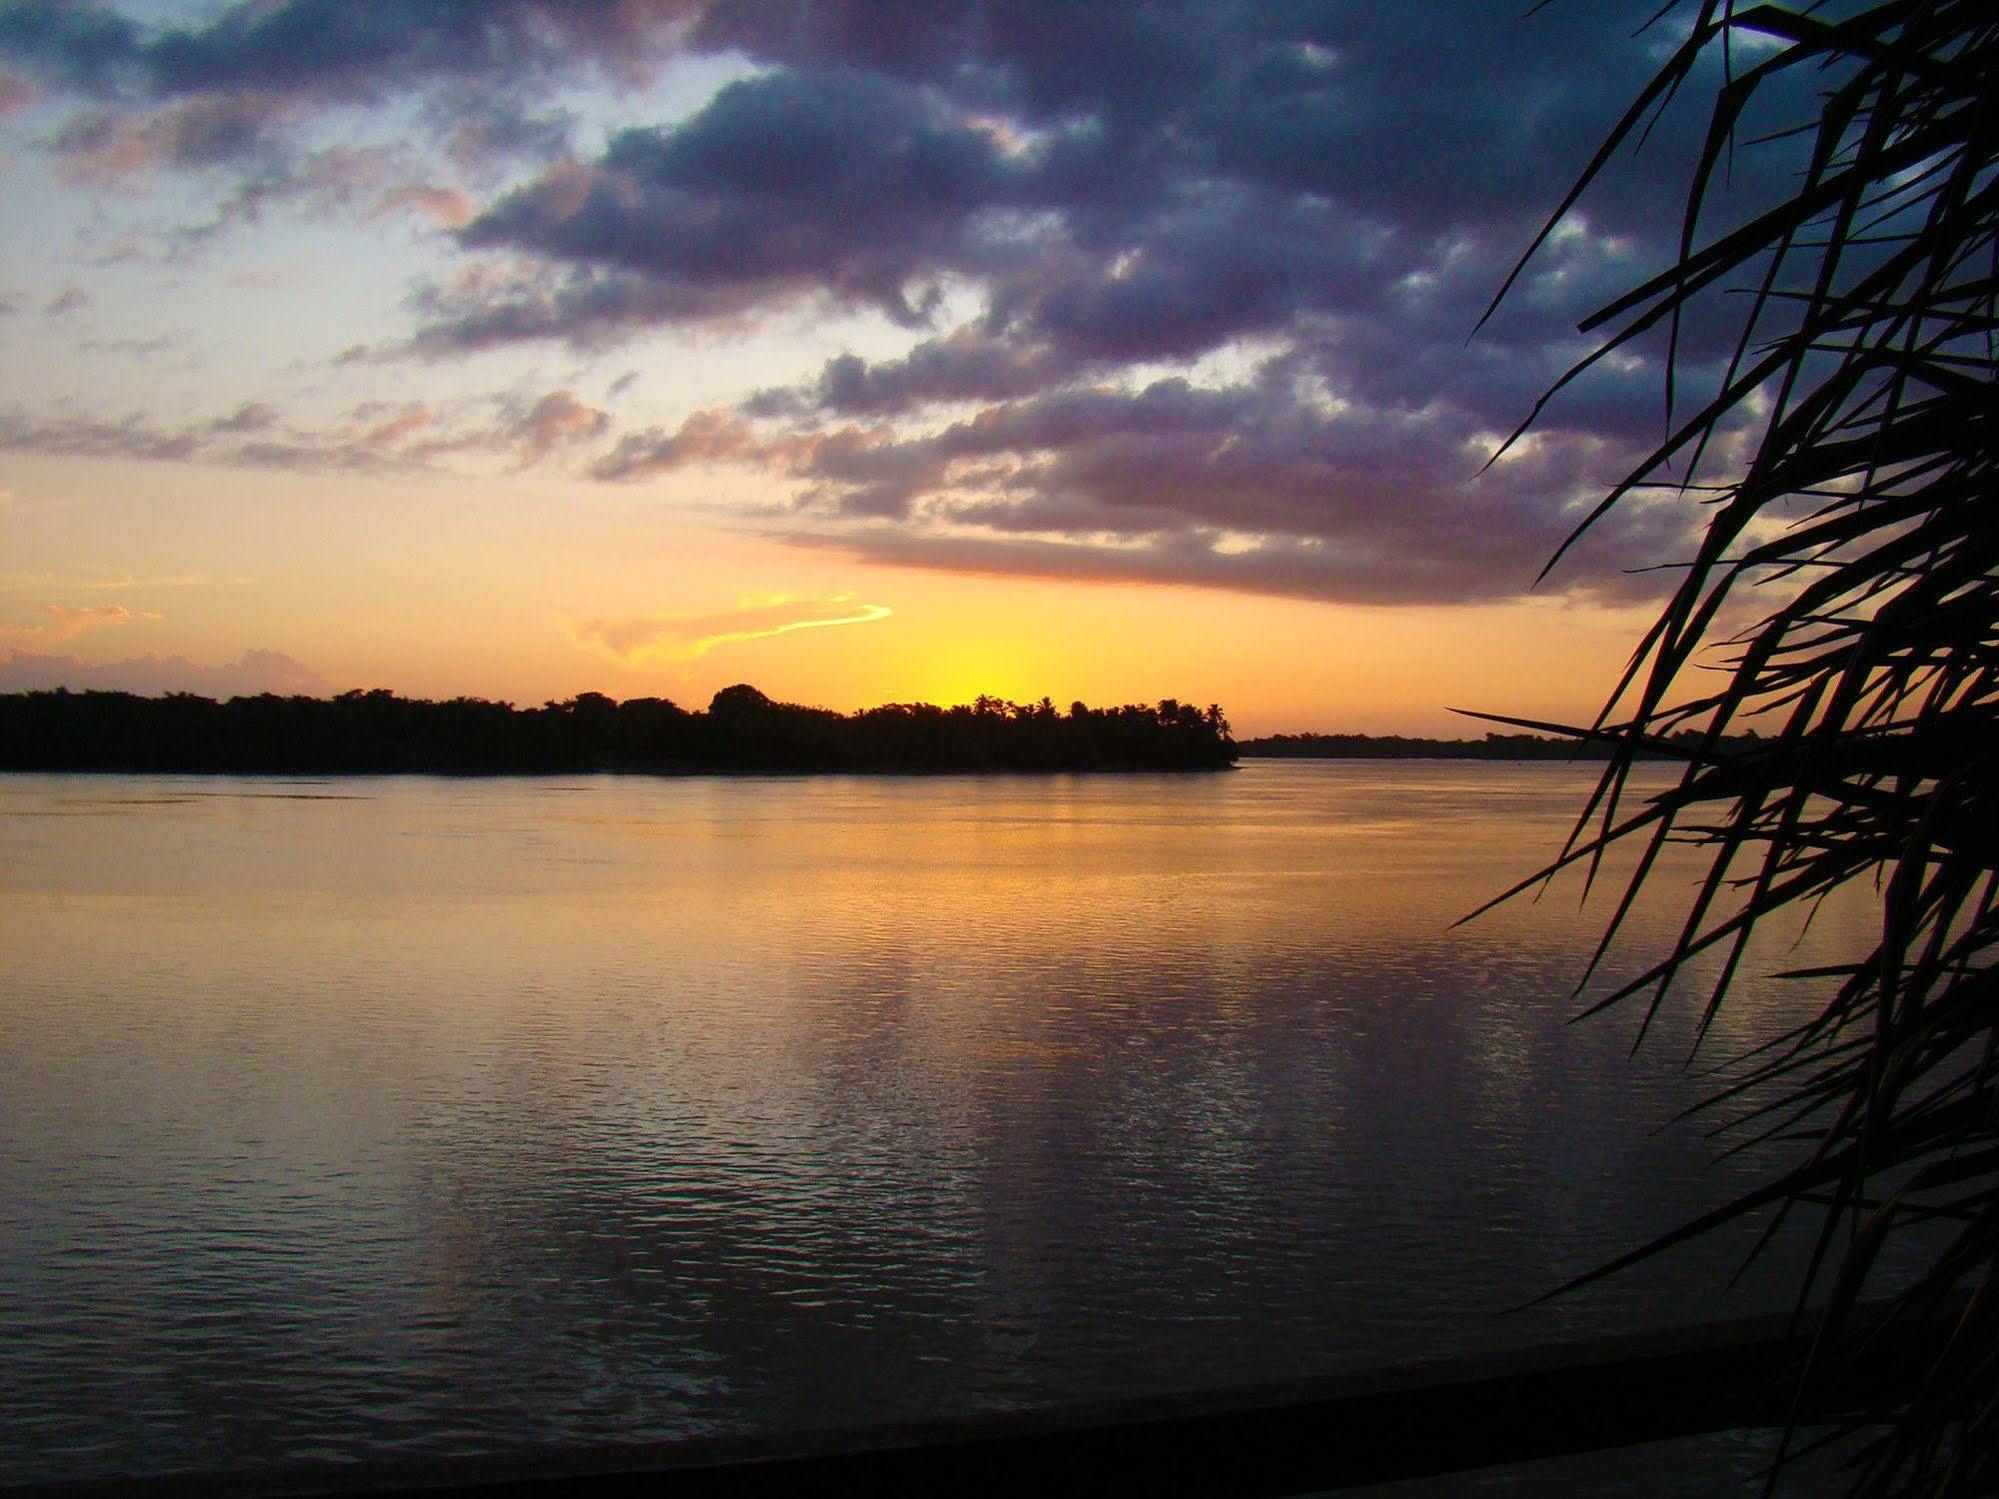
[
  {"x": 742, "y": 732},
  {"x": 663, "y": 773},
  {"x": 1493, "y": 747}
]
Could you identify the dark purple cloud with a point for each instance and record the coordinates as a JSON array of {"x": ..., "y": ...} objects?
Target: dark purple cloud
[
  {"x": 1284, "y": 567},
  {"x": 1188, "y": 284},
  {"x": 327, "y": 48},
  {"x": 966, "y": 364},
  {"x": 1263, "y": 485},
  {"x": 230, "y": 88},
  {"x": 795, "y": 183}
]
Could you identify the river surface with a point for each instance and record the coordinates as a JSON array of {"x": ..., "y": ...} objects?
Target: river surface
[{"x": 365, "y": 1119}]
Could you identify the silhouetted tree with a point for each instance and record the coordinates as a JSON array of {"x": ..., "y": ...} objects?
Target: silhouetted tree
[
  {"x": 1861, "y": 397},
  {"x": 742, "y": 730}
]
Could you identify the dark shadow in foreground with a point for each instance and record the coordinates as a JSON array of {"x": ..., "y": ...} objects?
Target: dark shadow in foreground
[{"x": 1300, "y": 1436}]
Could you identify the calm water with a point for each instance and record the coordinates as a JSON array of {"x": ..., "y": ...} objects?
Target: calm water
[{"x": 377, "y": 1117}]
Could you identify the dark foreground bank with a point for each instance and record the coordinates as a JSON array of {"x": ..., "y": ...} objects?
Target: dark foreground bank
[
  {"x": 1291, "y": 1437},
  {"x": 377, "y": 733}
]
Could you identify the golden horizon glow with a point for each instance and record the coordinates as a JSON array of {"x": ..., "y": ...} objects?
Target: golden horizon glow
[
  {"x": 365, "y": 391},
  {"x": 197, "y": 576}
]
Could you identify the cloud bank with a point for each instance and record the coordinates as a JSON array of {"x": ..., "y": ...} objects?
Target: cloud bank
[
  {"x": 1183, "y": 290},
  {"x": 151, "y": 675},
  {"x": 63, "y": 623},
  {"x": 374, "y": 436}
]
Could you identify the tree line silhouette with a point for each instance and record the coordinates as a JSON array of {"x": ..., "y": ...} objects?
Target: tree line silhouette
[{"x": 741, "y": 730}]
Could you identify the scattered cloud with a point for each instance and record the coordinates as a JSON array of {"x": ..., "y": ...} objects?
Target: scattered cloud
[
  {"x": 112, "y": 148},
  {"x": 1260, "y": 486},
  {"x": 1281, "y": 566},
  {"x": 246, "y": 142},
  {"x": 133, "y": 437},
  {"x": 557, "y": 420},
  {"x": 482, "y": 127},
  {"x": 251, "y": 416},
  {"x": 363, "y": 184},
  {"x": 641, "y": 638},
  {"x": 711, "y": 436},
  {"x": 120, "y": 249},
  {"x": 255, "y": 671},
  {"x": 69, "y": 299},
  {"x": 374, "y": 435},
  {"x": 446, "y": 207},
  {"x": 64, "y": 623}
]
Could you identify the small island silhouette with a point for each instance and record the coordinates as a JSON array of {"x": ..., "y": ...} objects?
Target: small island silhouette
[{"x": 741, "y": 731}]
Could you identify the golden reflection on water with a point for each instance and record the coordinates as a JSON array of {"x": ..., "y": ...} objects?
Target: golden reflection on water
[{"x": 446, "y": 1115}]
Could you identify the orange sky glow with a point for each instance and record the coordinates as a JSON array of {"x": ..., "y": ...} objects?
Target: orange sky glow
[{"x": 646, "y": 349}]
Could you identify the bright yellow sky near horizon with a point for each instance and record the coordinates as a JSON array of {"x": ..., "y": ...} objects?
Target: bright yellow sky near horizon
[
  {"x": 478, "y": 587},
  {"x": 603, "y": 357}
]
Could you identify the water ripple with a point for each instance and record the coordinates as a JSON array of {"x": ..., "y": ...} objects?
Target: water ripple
[{"x": 441, "y": 1117}]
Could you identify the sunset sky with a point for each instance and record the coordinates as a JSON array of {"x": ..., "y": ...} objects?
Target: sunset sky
[{"x": 866, "y": 353}]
